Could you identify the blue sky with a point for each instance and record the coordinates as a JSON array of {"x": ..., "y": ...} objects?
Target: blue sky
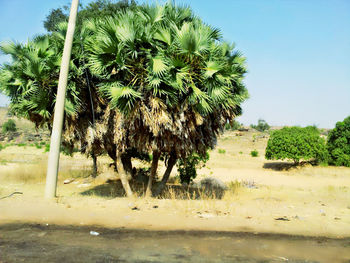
[{"x": 298, "y": 52}]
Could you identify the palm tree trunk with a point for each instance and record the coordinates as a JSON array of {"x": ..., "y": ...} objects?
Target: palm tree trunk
[
  {"x": 112, "y": 153},
  {"x": 171, "y": 163},
  {"x": 123, "y": 177},
  {"x": 94, "y": 166},
  {"x": 127, "y": 164},
  {"x": 154, "y": 167}
]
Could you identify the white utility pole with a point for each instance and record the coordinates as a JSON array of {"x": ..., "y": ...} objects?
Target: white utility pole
[{"x": 54, "y": 155}]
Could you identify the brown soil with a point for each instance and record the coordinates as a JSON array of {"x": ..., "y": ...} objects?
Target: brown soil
[{"x": 262, "y": 198}]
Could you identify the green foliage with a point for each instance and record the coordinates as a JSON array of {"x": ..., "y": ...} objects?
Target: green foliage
[
  {"x": 339, "y": 144},
  {"x": 68, "y": 151},
  {"x": 166, "y": 53},
  {"x": 254, "y": 153},
  {"x": 262, "y": 126},
  {"x": 47, "y": 148},
  {"x": 296, "y": 143},
  {"x": 37, "y": 145},
  {"x": 55, "y": 17},
  {"x": 187, "y": 168},
  {"x": 2, "y": 147},
  {"x": 222, "y": 151},
  {"x": 233, "y": 126},
  {"x": 9, "y": 126},
  {"x": 30, "y": 80},
  {"x": 95, "y": 9},
  {"x": 160, "y": 79}
]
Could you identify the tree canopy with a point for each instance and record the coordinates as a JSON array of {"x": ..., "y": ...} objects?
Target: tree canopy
[
  {"x": 296, "y": 143},
  {"x": 262, "y": 126},
  {"x": 95, "y": 9},
  {"x": 147, "y": 79},
  {"x": 339, "y": 143}
]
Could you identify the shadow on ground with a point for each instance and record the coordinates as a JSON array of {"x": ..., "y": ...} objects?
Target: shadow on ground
[
  {"x": 114, "y": 188},
  {"x": 279, "y": 166},
  {"x": 285, "y": 166}
]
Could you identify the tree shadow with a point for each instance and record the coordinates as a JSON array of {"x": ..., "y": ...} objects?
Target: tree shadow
[
  {"x": 106, "y": 190},
  {"x": 285, "y": 166},
  {"x": 113, "y": 188},
  {"x": 279, "y": 166}
]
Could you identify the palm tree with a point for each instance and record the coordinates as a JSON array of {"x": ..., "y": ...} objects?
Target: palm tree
[
  {"x": 30, "y": 81},
  {"x": 151, "y": 79},
  {"x": 169, "y": 79}
]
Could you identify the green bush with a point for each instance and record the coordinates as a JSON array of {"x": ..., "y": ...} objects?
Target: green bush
[
  {"x": 296, "y": 143},
  {"x": 338, "y": 144},
  {"x": 187, "y": 168},
  {"x": 65, "y": 150},
  {"x": 254, "y": 153},
  {"x": 233, "y": 126},
  {"x": 9, "y": 126},
  {"x": 222, "y": 151},
  {"x": 47, "y": 148},
  {"x": 262, "y": 126}
]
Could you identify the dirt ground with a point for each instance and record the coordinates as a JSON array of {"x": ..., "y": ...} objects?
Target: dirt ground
[
  {"x": 262, "y": 197},
  {"x": 49, "y": 243}
]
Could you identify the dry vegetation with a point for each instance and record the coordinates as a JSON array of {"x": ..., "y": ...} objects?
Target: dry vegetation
[{"x": 261, "y": 196}]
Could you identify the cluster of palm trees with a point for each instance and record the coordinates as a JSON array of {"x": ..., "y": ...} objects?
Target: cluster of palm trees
[{"x": 150, "y": 79}]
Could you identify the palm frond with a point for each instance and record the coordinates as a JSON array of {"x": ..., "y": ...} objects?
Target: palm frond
[{"x": 159, "y": 65}]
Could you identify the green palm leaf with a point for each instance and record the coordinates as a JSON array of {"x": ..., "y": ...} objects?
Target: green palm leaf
[{"x": 158, "y": 65}]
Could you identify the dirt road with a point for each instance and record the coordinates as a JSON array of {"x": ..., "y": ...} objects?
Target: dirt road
[{"x": 50, "y": 243}]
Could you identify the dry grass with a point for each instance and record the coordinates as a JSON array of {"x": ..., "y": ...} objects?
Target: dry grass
[
  {"x": 257, "y": 191},
  {"x": 21, "y": 124},
  {"x": 36, "y": 173}
]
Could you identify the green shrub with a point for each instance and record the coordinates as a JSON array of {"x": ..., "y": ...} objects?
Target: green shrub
[
  {"x": 296, "y": 143},
  {"x": 47, "y": 147},
  {"x": 262, "y": 126},
  {"x": 37, "y": 145},
  {"x": 9, "y": 126},
  {"x": 233, "y": 126},
  {"x": 254, "y": 153},
  {"x": 338, "y": 144},
  {"x": 187, "y": 168},
  {"x": 222, "y": 151},
  {"x": 2, "y": 147},
  {"x": 65, "y": 150}
]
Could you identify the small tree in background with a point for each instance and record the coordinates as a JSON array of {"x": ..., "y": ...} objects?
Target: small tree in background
[
  {"x": 233, "y": 126},
  {"x": 296, "y": 143},
  {"x": 9, "y": 126},
  {"x": 95, "y": 9},
  {"x": 262, "y": 126},
  {"x": 339, "y": 143}
]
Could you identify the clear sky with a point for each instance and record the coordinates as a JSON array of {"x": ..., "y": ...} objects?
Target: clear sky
[{"x": 298, "y": 52}]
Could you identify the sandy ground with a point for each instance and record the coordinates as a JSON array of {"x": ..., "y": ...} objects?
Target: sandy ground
[{"x": 309, "y": 201}]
